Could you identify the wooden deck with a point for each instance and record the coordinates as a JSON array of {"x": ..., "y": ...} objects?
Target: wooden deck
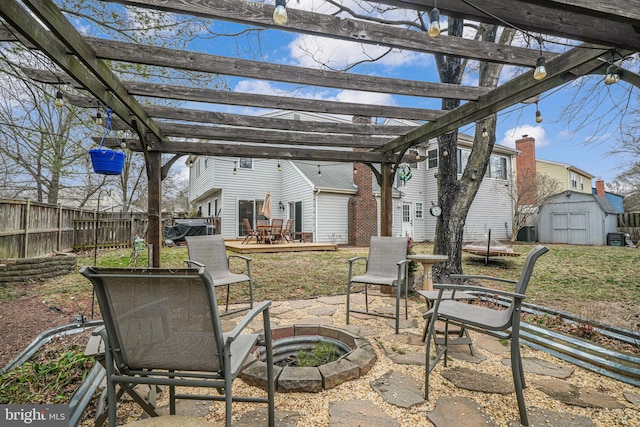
[{"x": 249, "y": 248}]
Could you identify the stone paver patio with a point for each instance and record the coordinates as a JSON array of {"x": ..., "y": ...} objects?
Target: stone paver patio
[{"x": 471, "y": 391}]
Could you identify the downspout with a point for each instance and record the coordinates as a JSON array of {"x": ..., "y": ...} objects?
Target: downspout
[{"x": 317, "y": 219}]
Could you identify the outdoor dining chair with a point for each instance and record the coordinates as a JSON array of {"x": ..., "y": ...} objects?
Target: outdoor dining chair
[
  {"x": 502, "y": 322},
  {"x": 286, "y": 231},
  {"x": 276, "y": 230},
  {"x": 162, "y": 327},
  {"x": 251, "y": 233},
  {"x": 386, "y": 266},
  {"x": 211, "y": 252}
]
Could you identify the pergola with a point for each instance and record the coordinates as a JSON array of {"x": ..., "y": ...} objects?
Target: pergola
[{"x": 600, "y": 27}]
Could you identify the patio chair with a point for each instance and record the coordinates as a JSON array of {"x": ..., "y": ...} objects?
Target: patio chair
[
  {"x": 386, "y": 266},
  {"x": 251, "y": 233},
  {"x": 276, "y": 230},
  {"x": 503, "y": 322},
  {"x": 162, "y": 327},
  {"x": 211, "y": 252},
  {"x": 286, "y": 231}
]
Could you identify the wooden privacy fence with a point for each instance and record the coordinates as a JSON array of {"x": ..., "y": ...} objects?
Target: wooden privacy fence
[
  {"x": 32, "y": 229},
  {"x": 112, "y": 232},
  {"x": 629, "y": 222}
]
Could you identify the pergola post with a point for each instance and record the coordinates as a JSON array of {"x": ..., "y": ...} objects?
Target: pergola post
[
  {"x": 154, "y": 231},
  {"x": 386, "y": 200}
]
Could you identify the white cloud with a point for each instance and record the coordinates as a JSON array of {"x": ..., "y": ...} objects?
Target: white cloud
[
  {"x": 320, "y": 52},
  {"x": 536, "y": 132},
  {"x": 266, "y": 88}
]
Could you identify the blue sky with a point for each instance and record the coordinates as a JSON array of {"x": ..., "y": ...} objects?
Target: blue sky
[{"x": 572, "y": 130}]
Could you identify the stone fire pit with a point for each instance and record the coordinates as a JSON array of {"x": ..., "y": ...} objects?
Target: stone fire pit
[{"x": 358, "y": 357}]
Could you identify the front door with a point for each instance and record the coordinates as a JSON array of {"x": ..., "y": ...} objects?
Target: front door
[{"x": 407, "y": 220}]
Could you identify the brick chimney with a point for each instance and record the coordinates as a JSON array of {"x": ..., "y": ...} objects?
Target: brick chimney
[
  {"x": 599, "y": 187},
  {"x": 363, "y": 208},
  {"x": 526, "y": 169}
]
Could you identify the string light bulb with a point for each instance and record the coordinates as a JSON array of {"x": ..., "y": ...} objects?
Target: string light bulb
[
  {"x": 280, "y": 13},
  {"x": 59, "y": 99},
  {"x": 485, "y": 133},
  {"x": 538, "y": 115},
  {"x": 235, "y": 171},
  {"x": 417, "y": 155},
  {"x": 279, "y": 167},
  {"x": 613, "y": 75},
  {"x": 319, "y": 172},
  {"x": 541, "y": 70},
  {"x": 98, "y": 119},
  {"x": 355, "y": 169},
  {"x": 434, "y": 23}
]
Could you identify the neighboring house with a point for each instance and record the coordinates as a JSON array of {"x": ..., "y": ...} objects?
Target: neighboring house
[{"x": 325, "y": 197}]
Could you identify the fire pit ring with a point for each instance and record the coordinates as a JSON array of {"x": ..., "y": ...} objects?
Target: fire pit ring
[{"x": 357, "y": 357}]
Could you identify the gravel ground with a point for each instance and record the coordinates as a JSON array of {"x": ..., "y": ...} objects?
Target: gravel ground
[{"x": 314, "y": 407}]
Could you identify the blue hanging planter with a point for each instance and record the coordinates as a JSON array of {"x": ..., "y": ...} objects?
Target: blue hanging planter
[{"x": 104, "y": 160}]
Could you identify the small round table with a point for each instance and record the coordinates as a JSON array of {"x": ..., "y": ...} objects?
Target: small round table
[{"x": 427, "y": 262}]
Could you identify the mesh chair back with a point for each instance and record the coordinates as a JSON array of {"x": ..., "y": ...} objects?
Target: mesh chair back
[
  {"x": 210, "y": 251},
  {"x": 384, "y": 255},
  {"x": 247, "y": 226},
  {"x": 159, "y": 318}
]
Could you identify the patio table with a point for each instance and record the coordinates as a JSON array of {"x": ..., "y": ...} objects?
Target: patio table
[{"x": 427, "y": 262}]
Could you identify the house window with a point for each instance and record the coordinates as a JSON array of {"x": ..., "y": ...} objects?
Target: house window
[
  {"x": 497, "y": 168},
  {"x": 418, "y": 210},
  {"x": 406, "y": 212},
  {"x": 463, "y": 158},
  {"x": 208, "y": 204},
  {"x": 574, "y": 180},
  {"x": 582, "y": 183},
  {"x": 432, "y": 159},
  {"x": 245, "y": 163}
]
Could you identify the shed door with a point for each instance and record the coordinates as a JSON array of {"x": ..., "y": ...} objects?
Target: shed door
[{"x": 569, "y": 227}]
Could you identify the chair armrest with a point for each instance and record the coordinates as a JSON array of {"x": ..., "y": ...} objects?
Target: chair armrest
[
  {"x": 471, "y": 276},
  {"x": 241, "y": 257},
  {"x": 192, "y": 263},
  {"x": 244, "y": 322},
  {"x": 352, "y": 260},
  {"x": 479, "y": 289}
]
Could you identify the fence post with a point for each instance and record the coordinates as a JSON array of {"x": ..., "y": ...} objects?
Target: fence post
[
  {"x": 25, "y": 222},
  {"x": 59, "y": 243}
]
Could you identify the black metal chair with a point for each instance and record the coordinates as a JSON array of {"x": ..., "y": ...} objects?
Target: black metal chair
[{"x": 504, "y": 323}]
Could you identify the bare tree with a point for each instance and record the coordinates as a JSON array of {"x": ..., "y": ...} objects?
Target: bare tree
[{"x": 533, "y": 190}]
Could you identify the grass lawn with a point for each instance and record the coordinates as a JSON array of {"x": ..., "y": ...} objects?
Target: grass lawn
[{"x": 599, "y": 283}]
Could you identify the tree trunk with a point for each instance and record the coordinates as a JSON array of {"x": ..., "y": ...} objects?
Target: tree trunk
[{"x": 456, "y": 195}]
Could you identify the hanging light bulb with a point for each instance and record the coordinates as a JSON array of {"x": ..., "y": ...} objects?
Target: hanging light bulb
[
  {"x": 99, "y": 118},
  {"x": 235, "y": 171},
  {"x": 485, "y": 133},
  {"x": 319, "y": 172},
  {"x": 59, "y": 99},
  {"x": 417, "y": 155},
  {"x": 355, "y": 170},
  {"x": 280, "y": 13},
  {"x": 613, "y": 75},
  {"x": 538, "y": 115},
  {"x": 540, "y": 71},
  {"x": 434, "y": 23},
  {"x": 279, "y": 167}
]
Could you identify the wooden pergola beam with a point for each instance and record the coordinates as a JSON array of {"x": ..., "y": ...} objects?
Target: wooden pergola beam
[
  {"x": 604, "y": 23},
  {"x": 360, "y": 31},
  {"x": 258, "y": 151},
  {"x": 561, "y": 69},
  {"x": 256, "y": 122}
]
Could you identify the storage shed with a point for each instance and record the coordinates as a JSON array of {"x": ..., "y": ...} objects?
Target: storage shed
[{"x": 576, "y": 218}]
